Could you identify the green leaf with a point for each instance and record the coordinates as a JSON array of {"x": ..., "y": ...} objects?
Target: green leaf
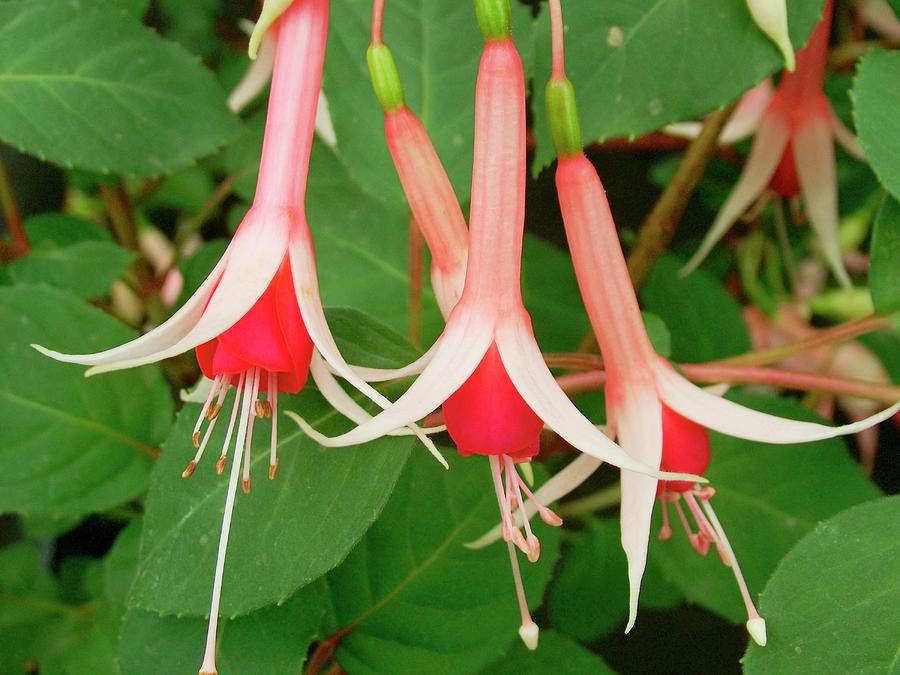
[
  {"x": 551, "y": 296},
  {"x": 659, "y": 334},
  {"x": 271, "y": 640},
  {"x": 286, "y": 533},
  {"x": 62, "y": 229},
  {"x": 884, "y": 272},
  {"x": 833, "y": 604},
  {"x": 361, "y": 247},
  {"x": 84, "y": 84},
  {"x": 437, "y": 45},
  {"x": 137, "y": 8},
  {"x": 412, "y": 597},
  {"x": 640, "y": 64},
  {"x": 704, "y": 320},
  {"x": 556, "y": 655},
  {"x": 87, "y": 268},
  {"x": 767, "y": 498},
  {"x": 71, "y": 445},
  {"x": 875, "y": 104}
]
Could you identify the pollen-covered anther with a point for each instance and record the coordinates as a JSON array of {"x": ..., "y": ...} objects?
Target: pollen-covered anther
[
  {"x": 245, "y": 485},
  {"x": 189, "y": 469},
  {"x": 534, "y": 549},
  {"x": 259, "y": 409},
  {"x": 220, "y": 464},
  {"x": 195, "y": 439},
  {"x": 267, "y": 408},
  {"x": 272, "y": 469},
  {"x": 213, "y": 411}
]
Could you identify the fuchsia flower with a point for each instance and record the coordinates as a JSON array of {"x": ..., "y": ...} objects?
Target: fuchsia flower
[
  {"x": 793, "y": 154},
  {"x": 257, "y": 322},
  {"x": 486, "y": 368},
  {"x": 653, "y": 411}
]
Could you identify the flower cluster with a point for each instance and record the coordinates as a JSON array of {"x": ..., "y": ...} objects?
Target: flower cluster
[{"x": 258, "y": 327}]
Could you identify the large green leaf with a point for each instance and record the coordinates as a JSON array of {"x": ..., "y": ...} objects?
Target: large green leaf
[
  {"x": 833, "y": 604},
  {"x": 556, "y": 655},
  {"x": 413, "y": 599},
  {"x": 704, "y": 320},
  {"x": 286, "y": 533},
  {"x": 767, "y": 498},
  {"x": 87, "y": 268},
  {"x": 884, "y": 273},
  {"x": 84, "y": 84},
  {"x": 640, "y": 64},
  {"x": 875, "y": 103},
  {"x": 437, "y": 45},
  {"x": 70, "y": 445}
]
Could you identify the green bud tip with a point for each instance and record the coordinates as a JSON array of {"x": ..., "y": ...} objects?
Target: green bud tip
[
  {"x": 494, "y": 19},
  {"x": 562, "y": 116},
  {"x": 385, "y": 78}
]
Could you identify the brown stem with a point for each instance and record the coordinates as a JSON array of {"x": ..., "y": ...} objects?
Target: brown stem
[
  {"x": 13, "y": 218},
  {"x": 829, "y": 336},
  {"x": 324, "y": 652},
  {"x": 416, "y": 281},
  {"x": 187, "y": 228},
  {"x": 659, "y": 226},
  {"x": 118, "y": 207}
]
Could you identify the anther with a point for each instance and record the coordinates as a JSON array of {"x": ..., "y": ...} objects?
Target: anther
[
  {"x": 700, "y": 543},
  {"x": 534, "y": 549},
  {"x": 519, "y": 540},
  {"x": 267, "y": 408},
  {"x": 195, "y": 437},
  {"x": 245, "y": 485},
  {"x": 214, "y": 411},
  {"x": 189, "y": 470},
  {"x": 550, "y": 517},
  {"x": 259, "y": 408},
  {"x": 706, "y": 492},
  {"x": 272, "y": 469},
  {"x": 220, "y": 464}
]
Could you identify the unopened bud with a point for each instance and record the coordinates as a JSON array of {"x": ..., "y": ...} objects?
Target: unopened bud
[
  {"x": 562, "y": 117},
  {"x": 385, "y": 78},
  {"x": 494, "y": 19}
]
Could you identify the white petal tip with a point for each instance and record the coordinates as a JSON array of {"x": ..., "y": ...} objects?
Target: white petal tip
[
  {"x": 529, "y": 632},
  {"x": 757, "y": 629},
  {"x": 307, "y": 429}
]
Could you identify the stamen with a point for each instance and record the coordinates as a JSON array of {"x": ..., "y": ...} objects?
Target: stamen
[
  {"x": 209, "y": 656},
  {"x": 665, "y": 532},
  {"x": 528, "y": 631},
  {"x": 547, "y": 515},
  {"x": 205, "y": 410},
  {"x": 238, "y": 390},
  {"x": 502, "y": 501},
  {"x": 254, "y": 393},
  {"x": 224, "y": 383},
  {"x": 756, "y": 625},
  {"x": 706, "y": 531},
  {"x": 532, "y": 544},
  {"x": 272, "y": 402}
]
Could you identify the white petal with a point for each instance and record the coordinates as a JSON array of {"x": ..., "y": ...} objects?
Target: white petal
[
  {"x": 816, "y": 171},
  {"x": 748, "y": 114},
  {"x": 689, "y": 129},
  {"x": 157, "y": 340},
  {"x": 341, "y": 401},
  {"x": 771, "y": 140},
  {"x": 558, "y": 486},
  {"x": 256, "y": 77},
  {"x": 257, "y": 250},
  {"x": 771, "y": 17},
  {"x": 525, "y": 366},
  {"x": 199, "y": 393},
  {"x": 461, "y": 347},
  {"x": 846, "y": 138},
  {"x": 638, "y": 419},
  {"x": 385, "y": 374},
  {"x": 730, "y": 418}
]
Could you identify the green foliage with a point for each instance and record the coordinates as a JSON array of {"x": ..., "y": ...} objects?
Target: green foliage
[
  {"x": 640, "y": 64},
  {"x": 874, "y": 107},
  {"x": 556, "y": 655},
  {"x": 833, "y": 604},
  {"x": 71, "y": 446},
  {"x": 884, "y": 274},
  {"x": 96, "y": 90}
]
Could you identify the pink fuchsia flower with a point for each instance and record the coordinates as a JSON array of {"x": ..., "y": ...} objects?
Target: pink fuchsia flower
[
  {"x": 257, "y": 322},
  {"x": 793, "y": 154},
  {"x": 642, "y": 389},
  {"x": 432, "y": 201},
  {"x": 486, "y": 368}
]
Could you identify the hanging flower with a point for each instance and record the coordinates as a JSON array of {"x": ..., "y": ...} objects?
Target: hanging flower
[
  {"x": 486, "y": 368},
  {"x": 644, "y": 393},
  {"x": 793, "y": 154},
  {"x": 257, "y": 322}
]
